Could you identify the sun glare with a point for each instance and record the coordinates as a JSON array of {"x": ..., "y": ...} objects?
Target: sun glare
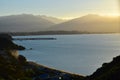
[
  {"x": 111, "y": 14},
  {"x": 67, "y": 18}
]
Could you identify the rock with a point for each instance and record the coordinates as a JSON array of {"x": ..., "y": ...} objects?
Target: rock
[
  {"x": 7, "y": 44},
  {"x": 7, "y": 36}
]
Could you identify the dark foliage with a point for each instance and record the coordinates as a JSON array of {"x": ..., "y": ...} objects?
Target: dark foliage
[
  {"x": 7, "y": 44},
  {"x": 11, "y": 69},
  {"x": 108, "y": 71},
  {"x": 22, "y": 59}
]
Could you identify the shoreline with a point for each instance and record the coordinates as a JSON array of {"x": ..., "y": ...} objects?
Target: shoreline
[
  {"x": 54, "y": 69},
  {"x": 51, "y": 73},
  {"x": 54, "y": 33}
]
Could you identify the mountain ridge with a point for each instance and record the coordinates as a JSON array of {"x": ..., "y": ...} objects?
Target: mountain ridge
[
  {"x": 23, "y": 23},
  {"x": 89, "y": 23},
  {"x": 30, "y": 23}
]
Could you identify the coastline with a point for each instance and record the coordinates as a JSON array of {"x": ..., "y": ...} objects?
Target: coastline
[
  {"x": 54, "y": 33},
  {"x": 58, "y": 73}
]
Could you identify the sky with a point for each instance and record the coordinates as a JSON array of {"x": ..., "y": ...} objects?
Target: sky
[{"x": 64, "y": 9}]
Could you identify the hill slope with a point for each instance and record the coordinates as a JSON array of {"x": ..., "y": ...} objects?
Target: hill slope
[
  {"x": 23, "y": 23},
  {"x": 53, "y": 19},
  {"x": 89, "y": 23},
  {"x": 108, "y": 71}
]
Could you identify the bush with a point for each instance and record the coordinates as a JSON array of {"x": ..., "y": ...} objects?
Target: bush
[{"x": 22, "y": 59}]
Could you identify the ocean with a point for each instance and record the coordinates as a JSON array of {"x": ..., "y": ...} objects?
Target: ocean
[{"x": 80, "y": 54}]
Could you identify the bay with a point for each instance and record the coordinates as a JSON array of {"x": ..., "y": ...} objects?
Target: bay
[{"x": 80, "y": 54}]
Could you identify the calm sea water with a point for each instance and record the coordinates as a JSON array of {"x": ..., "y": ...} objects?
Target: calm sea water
[{"x": 81, "y": 54}]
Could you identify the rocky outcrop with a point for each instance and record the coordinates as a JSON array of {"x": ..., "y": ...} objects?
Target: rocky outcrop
[
  {"x": 8, "y": 47},
  {"x": 6, "y": 36},
  {"x": 108, "y": 71}
]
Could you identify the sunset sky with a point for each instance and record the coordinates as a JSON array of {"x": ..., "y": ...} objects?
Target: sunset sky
[{"x": 59, "y": 8}]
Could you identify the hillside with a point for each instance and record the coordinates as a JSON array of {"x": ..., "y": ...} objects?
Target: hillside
[
  {"x": 23, "y": 23},
  {"x": 108, "y": 71},
  {"x": 89, "y": 23},
  {"x": 53, "y": 19}
]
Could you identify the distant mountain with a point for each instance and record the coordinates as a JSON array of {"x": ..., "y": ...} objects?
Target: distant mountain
[
  {"x": 89, "y": 23},
  {"x": 23, "y": 23},
  {"x": 31, "y": 23},
  {"x": 53, "y": 19}
]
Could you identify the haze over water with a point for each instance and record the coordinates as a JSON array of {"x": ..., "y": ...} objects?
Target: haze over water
[{"x": 81, "y": 54}]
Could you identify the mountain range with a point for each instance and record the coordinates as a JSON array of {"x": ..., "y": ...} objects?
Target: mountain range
[
  {"x": 32, "y": 23},
  {"x": 89, "y": 23}
]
